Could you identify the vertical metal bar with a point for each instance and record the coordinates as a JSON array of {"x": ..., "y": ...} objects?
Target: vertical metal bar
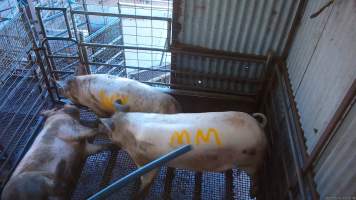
[
  {"x": 169, "y": 28},
  {"x": 83, "y": 55},
  {"x": 197, "y": 185},
  {"x": 140, "y": 171},
  {"x": 51, "y": 62},
  {"x": 294, "y": 148},
  {"x": 168, "y": 183},
  {"x": 67, "y": 23},
  {"x": 123, "y": 40},
  {"x": 300, "y": 139},
  {"x": 85, "y": 7},
  {"x": 266, "y": 76},
  {"x": 44, "y": 73},
  {"x": 229, "y": 185},
  {"x": 38, "y": 55},
  {"x": 73, "y": 20}
]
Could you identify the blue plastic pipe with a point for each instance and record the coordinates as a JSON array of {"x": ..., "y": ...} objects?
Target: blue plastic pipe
[{"x": 139, "y": 172}]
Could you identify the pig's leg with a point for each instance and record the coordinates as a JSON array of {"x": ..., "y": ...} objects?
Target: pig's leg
[
  {"x": 96, "y": 148},
  {"x": 146, "y": 182}
]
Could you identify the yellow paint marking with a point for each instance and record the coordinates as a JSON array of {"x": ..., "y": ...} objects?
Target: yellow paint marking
[
  {"x": 179, "y": 137},
  {"x": 206, "y": 137},
  {"x": 183, "y": 137},
  {"x": 107, "y": 101}
]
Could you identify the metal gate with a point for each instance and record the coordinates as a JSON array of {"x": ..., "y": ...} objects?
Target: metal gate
[{"x": 76, "y": 38}]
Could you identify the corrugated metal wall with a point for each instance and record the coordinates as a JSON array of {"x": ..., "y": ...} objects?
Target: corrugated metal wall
[
  {"x": 335, "y": 172},
  {"x": 322, "y": 63},
  {"x": 245, "y": 26},
  {"x": 322, "y": 68},
  {"x": 219, "y": 74},
  {"x": 240, "y": 26}
]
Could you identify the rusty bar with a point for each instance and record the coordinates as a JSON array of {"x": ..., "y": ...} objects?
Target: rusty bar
[
  {"x": 197, "y": 188},
  {"x": 229, "y": 185},
  {"x": 300, "y": 134},
  {"x": 83, "y": 54},
  {"x": 168, "y": 183},
  {"x": 295, "y": 25},
  {"x": 200, "y": 51},
  {"x": 189, "y": 87},
  {"x": 176, "y": 26},
  {"x": 332, "y": 126},
  {"x": 294, "y": 147},
  {"x": 178, "y": 92},
  {"x": 50, "y": 61},
  {"x": 38, "y": 54},
  {"x": 169, "y": 29},
  {"x": 85, "y": 7},
  {"x": 267, "y": 76},
  {"x": 67, "y": 23}
]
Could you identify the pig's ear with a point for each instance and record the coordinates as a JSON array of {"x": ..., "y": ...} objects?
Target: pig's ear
[
  {"x": 121, "y": 108},
  {"x": 263, "y": 121},
  {"x": 106, "y": 125}
]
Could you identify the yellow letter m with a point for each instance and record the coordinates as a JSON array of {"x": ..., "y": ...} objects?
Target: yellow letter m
[
  {"x": 180, "y": 138},
  {"x": 206, "y": 137}
]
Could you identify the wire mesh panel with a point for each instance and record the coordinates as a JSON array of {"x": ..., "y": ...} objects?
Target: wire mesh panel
[
  {"x": 8, "y": 10},
  {"x": 22, "y": 94},
  {"x": 124, "y": 38}
]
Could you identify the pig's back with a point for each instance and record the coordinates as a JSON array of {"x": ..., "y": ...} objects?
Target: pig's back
[
  {"x": 138, "y": 96},
  {"x": 205, "y": 131}
]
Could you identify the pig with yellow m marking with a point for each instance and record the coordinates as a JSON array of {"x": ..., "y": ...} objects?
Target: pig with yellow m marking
[
  {"x": 100, "y": 91},
  {"x": 198, "y": 137},
  {"x": 220, "y": 140}
]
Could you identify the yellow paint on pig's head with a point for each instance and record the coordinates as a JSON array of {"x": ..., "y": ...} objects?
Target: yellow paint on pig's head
[{"x": 107, "y": 101}]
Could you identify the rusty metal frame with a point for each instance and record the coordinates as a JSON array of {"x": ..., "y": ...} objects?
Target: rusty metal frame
[
  {"x": 200, "y": 51},
  {"x": 299, "y": 141}
]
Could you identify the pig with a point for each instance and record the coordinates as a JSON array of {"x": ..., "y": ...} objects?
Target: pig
[
  {"x": 220, "y": 140},
  {"x": 51, "y": 167},
  {"x": 99, "y": 91}
]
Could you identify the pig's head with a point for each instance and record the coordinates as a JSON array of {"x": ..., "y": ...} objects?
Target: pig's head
[
  {"x": 70, "y": 88},
  {"x": 114, "y": 124}
]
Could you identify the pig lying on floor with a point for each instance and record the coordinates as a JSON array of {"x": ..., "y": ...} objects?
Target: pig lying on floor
[
  {"x": 100, "y": 91},
  {"x": 51, "y": 167},
  {"x": 221, "y": 140}
]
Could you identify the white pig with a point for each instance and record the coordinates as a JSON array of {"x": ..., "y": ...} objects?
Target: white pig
[
  {"x": 100, "y": 91},
  {"x": 51, "y": 167},
  {"x": 221, "y": 140}
]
